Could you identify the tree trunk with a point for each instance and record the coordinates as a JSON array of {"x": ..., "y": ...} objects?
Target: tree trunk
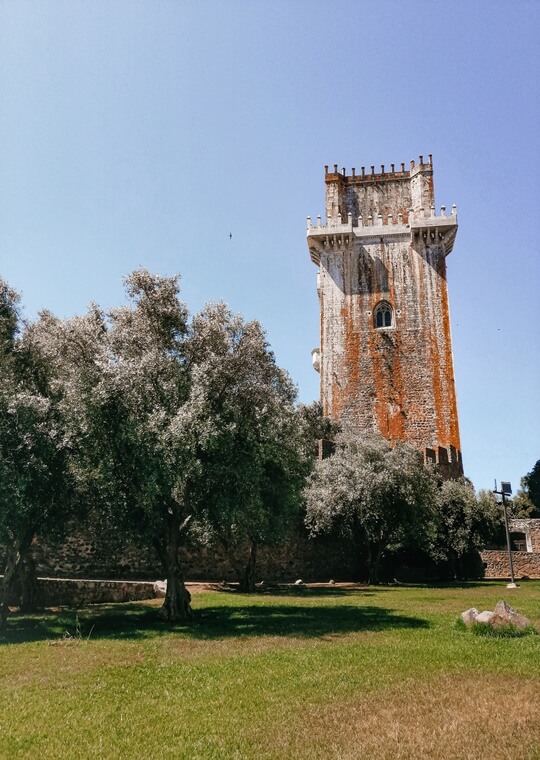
[
  {"x": 459, "y": 574},
  {"x": 374, "y": 561},
  {"x": 236, "y": 566},
  {"x": 28, "y": 579},
  {"x": 247, "y": 580},
  {"x": 177, "y": 602},
  {"x": 13, "y": 559},
  {"x": 451, "y": 571},
  {"x": 20, "y": 567}
]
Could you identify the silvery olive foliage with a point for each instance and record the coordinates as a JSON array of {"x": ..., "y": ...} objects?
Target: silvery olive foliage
[
  {"x": 253, "y": 464},
  {"x": 466, "y": 521},
  {"x": 176, "y": 423},
  {"x": 252, "y": 468},
  {"x": 36, "y": 482},
  {"x": 382, "y": 496}
]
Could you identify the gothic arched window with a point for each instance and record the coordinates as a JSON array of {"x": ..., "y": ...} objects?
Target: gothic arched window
[{"x": 383, "y": 315}]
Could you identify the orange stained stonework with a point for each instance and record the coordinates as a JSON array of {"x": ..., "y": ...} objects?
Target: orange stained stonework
[{"x": 384, "y": 242}]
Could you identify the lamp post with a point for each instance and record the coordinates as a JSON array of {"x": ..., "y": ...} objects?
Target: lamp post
[{"x": 506, "y": 490}]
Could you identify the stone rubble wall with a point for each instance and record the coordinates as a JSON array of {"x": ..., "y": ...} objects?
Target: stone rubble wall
[
  {"x": 52, "y": 592},
  {"x": 99, "y": 553},
  {"x": 127, "y": 571},
  {"x": 69, "y": 591},
  {"x": 526, "y": 564}
]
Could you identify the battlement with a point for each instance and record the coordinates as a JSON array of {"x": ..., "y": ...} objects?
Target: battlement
[
  {"x": 417, "y": 224},
  {"x": 414, "y": 218},
  {"x": 371, "y": 175},
  {"x": 386, "y": 192}
]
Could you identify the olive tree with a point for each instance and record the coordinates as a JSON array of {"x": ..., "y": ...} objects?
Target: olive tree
[
  {"x": 253, "y": 467},
  {"x": 183, "y": 422},
  {"x": 382, "y": 496},
  {"x": 36, "y": 483},
  {"x": 137, "y": 412},
  {"x": 465, "y": 522}
]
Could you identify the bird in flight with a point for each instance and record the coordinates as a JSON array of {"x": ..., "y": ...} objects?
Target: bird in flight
[{"x": 230, "y": 235}]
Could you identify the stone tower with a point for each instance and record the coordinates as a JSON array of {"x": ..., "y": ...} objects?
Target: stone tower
[{"x": 385, "y": 357}]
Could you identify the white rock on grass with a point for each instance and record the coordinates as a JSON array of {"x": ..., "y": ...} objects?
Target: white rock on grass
[
  {"x": 484, "y": 617},
  {"x": 503, "y": 615},
  {"x": 469, "y": 616}
]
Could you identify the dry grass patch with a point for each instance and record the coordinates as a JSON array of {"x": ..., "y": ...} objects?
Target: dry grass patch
[{"x": 448, "y": 717}]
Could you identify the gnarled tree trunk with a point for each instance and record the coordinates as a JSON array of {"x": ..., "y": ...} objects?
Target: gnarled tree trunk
[{"x": 177, "y": 602}]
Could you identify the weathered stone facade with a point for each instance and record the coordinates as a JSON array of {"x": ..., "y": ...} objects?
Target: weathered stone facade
[{"x": 385, "y": 357}]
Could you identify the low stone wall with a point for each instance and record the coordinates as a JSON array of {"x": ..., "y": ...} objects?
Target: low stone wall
[
  {"x": 72, "y": 592},
  {"x": 526, "y": 564}
]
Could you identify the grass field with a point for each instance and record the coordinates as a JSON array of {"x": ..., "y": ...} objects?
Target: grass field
[{"x": 318, "y": 673}]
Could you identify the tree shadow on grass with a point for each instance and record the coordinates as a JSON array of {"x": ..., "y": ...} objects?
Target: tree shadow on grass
[
  {"x": 297, "y": 621},
  {"x": 291, "y": 589},
  {"x": 141, "y": 621}
]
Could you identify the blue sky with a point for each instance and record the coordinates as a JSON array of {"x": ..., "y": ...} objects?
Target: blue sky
[{"x": 142, "y": 133}]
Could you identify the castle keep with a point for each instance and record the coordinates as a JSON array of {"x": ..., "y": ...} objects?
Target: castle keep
[{"x": 385, "y": 357}]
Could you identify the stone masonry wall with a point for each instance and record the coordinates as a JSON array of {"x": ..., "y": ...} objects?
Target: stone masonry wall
[
  {"x": 526, "y": 564},
  {"x": 68, "y": 591},
  {"x": 101, "y": 554}
]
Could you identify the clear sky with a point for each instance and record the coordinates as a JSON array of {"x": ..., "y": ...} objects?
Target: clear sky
[{"x": 142, "y": 132}]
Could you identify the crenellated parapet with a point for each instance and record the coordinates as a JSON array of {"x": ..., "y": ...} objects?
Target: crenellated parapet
[
  {"x": 392, "y": 191},
  {"x": 418, "y": 224},
  {"x": 370, "y": 175},
  {"x": 431, "y": 229}
]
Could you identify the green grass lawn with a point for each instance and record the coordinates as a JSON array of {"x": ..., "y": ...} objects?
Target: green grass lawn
[{"x": 330, "y": 672}]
